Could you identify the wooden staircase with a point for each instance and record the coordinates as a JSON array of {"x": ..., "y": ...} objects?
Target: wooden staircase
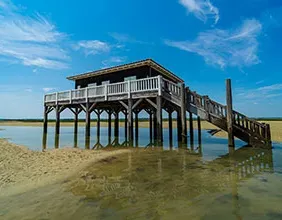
[{"x": 244, "y": 128}]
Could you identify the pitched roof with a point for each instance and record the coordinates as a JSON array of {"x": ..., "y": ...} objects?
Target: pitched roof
[{"x": 147, "y": 62}]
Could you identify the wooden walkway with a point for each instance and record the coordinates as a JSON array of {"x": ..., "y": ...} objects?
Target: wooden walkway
[{"x": 154, "y": 95}]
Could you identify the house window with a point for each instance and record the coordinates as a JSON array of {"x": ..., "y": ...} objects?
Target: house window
[
  {"x": 92, "y": 84},
  {"x": 106, "y": 82},
  {"x": 130, "y": 78}
]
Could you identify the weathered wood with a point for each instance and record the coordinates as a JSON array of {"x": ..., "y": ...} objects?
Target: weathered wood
[
  {"x": 199, "y": 131},
  {"x": 179, "y": 127},
  {"x": 170, "y": 128},
  {"x": 125, "y": 126},
  {"x": 191, "y": 129},
  {"x": 57, "y": 127},
  {"x": 110, "y": 126},
  {"x": 87, "y": 121},
  {"x": 159, "y": 121},
  {"x": 229, "y": 111},
  {"x": 151, "y": 127},
  {"x": 116, "y": 124},
  {"x": 130, "y": 122},
  {"x": 183, "y": 115},
  {"x": 155, "y": 127},
  {"x": 136, "y": 128},
  {"x": 98, "y": 125},
  {"x": 45, "y": 120},
  {"x": 76, "y": 122}
]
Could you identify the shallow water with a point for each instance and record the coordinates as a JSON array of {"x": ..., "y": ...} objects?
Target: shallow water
[{"x": 156, "y": 183}]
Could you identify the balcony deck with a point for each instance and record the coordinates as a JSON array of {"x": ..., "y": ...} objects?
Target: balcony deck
[{"x": 136, "y": 89}]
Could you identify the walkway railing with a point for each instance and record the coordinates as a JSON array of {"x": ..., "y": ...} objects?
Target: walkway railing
[
  {"x": 152, "y": 84},
  {"x": 218, "y": 110}
]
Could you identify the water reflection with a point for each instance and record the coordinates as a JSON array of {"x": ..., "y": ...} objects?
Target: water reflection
[{"x": 155, "y": 183}]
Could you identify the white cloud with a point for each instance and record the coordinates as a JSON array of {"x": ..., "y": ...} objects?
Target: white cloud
[
  {"x": 92, "y": 47},
  {"x": 233, "y": 47},
  {"x": 261, "y": 93},
  {"x": 48, "y": 89},
  {"x": 202, "y": 9},
  {"x": 28, "y": 90},
  {"x": 33, "y": 41},
  {"x": 113, "y": 60}
]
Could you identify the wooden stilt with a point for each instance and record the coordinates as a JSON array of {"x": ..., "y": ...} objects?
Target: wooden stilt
[
  {"x": 183, "y": 115},
  {"x": 159, "y": 121},
  {"x": 87, "y": 126},
  {"x": 130, "y": 121},
  {"x": 45, "y": 126},
  {"x": 75, "y": 140},
  {"x": 117, "y": 124},
  {"x": 151, "y": 127},
  {"x": 191, "y": 128},
  {"x": 199, "y": 131},
  {"x": 136, "y": 128},
  {"x": 125, "y": 126},
  {"x": 98, "y": 124},
  {"x": 170, "y": 128},
  {"x": 155, "y": 127},
  {"x": 229, "y": 112},
  {"x": 76, "y": 121},
  {"x": 110, "y": 126},
  {"x": 57, "y": 140},
  {"x": 179, "y": 128},
  {"x": 57, "y": 129}
]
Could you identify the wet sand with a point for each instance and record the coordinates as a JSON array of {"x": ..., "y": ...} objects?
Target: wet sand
[{"x": 22, "y": 169}]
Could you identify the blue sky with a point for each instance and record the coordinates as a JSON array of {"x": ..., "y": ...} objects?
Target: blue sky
[{"x": 202, "y": 41}]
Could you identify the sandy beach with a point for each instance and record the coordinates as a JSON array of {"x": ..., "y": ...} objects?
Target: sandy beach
[{"x": 22, "y": 169}]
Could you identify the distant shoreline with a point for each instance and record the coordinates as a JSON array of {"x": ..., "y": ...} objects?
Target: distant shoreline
[{"x": 276, "y": 125}]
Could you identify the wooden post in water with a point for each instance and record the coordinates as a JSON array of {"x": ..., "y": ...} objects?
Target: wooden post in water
[
  {"x": 136, "y": 128},
  {"x": 130, "y": 122},
  {"x": 183, "y": 115},
  {"x": 98, "y": 112},
  {"x": 57, "y": 129},
  {"x": 191, "y": 129},
  {"x": 87, "y": 125},
  {"x": 125, "y": 126},
  {"x": 45, "y": 126},
  {"x": 116, "y": 124},
  {"x": 229, "y": 112},
  {"x": 179, "y": 127},
  {"x": 155, "y": 127},
  {"x": 170, "y": 128},
  {"x": 159, "y": 121},
  {"x": 199, "y": 131},
  {"x": 76, "y": 120},
  {"x": 110, "y": 125},
  {"x": 151, "y": 127}
]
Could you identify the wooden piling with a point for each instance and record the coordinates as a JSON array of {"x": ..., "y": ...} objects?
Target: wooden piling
[
  {"x": 130, "y": 122},
  {"x": 179, "y": 128},
  {"x": 87, "y": 120},
  {"x": 229, "y": 112},
  {"x": 183, "y": 115},
  {"x": 151, "y": 127},
  {"x": 191, "y": 129},
  {"x": 159, "y": 121},
  {"x": 98, "y": 124},
  {"x": 116, "y": 124},
  {"x": 57, "y": 129},
  {"x": 76, "y": 121},
  {"x": 125, "y": 126},
  {"x": 136, "y": 128},
  {"x": 45, "y": 126},
  {"x": 199, "y": 131},
  {"x": 155, "y": 127},
  {"x": 110, "y": 125},
  {"x": 170, "y": 128}
]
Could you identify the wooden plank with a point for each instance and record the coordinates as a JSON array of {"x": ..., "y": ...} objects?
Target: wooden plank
[
  {"x": 151, "y": 103},
  {"x": 137, "y": 103}
]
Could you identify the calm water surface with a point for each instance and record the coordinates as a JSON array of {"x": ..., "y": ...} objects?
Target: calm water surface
[{"x": 155, "y": 183}]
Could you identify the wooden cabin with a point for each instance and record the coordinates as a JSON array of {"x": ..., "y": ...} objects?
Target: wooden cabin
[{"x": 146, "y": 85}]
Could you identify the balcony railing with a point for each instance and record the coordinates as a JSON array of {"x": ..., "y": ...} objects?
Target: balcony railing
[{"x": 153, "y": 84}]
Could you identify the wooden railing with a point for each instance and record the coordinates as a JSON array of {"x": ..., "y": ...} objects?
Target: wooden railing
[
  {"x": 216, "y": 109},
  {"x": 157, "y": 84},
  {"x": 251, "y": 125}
]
